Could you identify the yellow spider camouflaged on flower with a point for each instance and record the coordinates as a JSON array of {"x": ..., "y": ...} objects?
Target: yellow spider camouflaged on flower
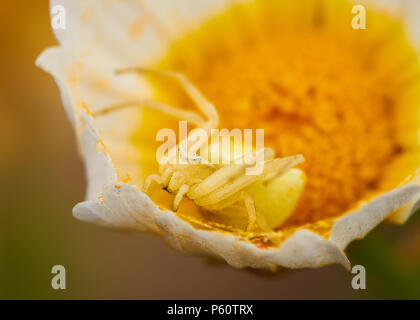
[
  {"x": 346, "y": 100},
  {"x": 215, "y": 186}
]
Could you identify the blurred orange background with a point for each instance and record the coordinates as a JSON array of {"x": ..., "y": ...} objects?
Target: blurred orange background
[{"x": 42, "y": 178}]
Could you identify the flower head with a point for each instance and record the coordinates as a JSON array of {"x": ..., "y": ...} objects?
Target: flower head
[{"x": 346, "y": 100}]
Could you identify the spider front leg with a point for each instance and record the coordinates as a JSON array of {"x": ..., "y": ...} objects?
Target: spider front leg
[
  {"x": 255, "y": 218},
  {"x": 175, "y": 112},
  {"x": 176, "y": 181},
  {"x": 205, "y": 106},
  {"x": 227, "y": 174},
  {"x": 166, "y": 177},
  {"x": 247, "y": 200},
  {"x": 178, "y": 186},
  {"x": 250, "y": 208},
  {"x": 173, "y": 181},
  {"x": 163, "y": 180},
  {"x": 179, "y": 196},
  {"x": 198, "y": 98},
  {"x": 153, "y": 177}
]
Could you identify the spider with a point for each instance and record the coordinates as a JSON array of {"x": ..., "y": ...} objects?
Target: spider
[{"x": 212, "y": 187}]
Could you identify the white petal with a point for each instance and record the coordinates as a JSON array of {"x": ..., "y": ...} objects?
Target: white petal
[
  {"x": 125, "y": 202},
  {"x": 357, "y": 224}
]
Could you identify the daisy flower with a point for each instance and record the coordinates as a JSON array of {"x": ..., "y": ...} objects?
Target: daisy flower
[{"x": 333, "y": 82}]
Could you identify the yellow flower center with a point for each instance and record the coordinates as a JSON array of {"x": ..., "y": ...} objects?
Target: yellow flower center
[{"x": 336, "y": 95}]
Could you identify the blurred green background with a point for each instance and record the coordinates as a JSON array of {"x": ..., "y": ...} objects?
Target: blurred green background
[{"x": 42, "y": 178}]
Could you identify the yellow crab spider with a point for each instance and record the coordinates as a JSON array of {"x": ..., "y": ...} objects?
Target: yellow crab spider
[
  {"x": 215, "y": 188},
  {"x": 211, "y": 186}
]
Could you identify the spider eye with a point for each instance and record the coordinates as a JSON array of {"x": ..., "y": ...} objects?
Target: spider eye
[
  {"x": 195, "y": 159},
  {"x": 182, "y": 152}
]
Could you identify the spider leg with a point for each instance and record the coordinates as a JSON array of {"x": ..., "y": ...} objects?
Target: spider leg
[
  {"x": 282, "y": 169},
  {"x": 164, "y": 108},
  {"x": 179, "y": 196},
  {"x": 250, "y": 208},
  {"x": 205, "y": 106},
  {"x": 225, "y": 174},
  {"x": 176, "y": 181},
  {"x": 149, "y": 180},
  {"x": 223, "y": 203},
  {"x": 238, "y": 197},
  {"x": 235, "y": 185},
  {"x": 166, "y": 177}
]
